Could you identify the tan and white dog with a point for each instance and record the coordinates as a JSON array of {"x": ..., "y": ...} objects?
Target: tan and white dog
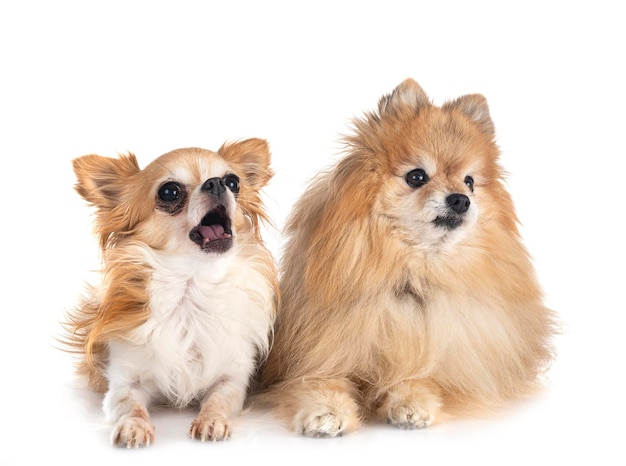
[{"x": 187, "y": 300}]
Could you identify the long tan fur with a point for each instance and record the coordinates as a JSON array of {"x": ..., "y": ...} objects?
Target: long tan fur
[{"x": 379, "y": 321}]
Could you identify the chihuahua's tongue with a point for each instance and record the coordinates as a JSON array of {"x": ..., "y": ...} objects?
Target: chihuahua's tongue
[{"x": 211, "y": 232}]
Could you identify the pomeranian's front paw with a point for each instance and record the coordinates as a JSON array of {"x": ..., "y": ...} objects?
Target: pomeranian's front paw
[
  {"x": 215, "y": 429},
  {"x": 409, "y": 416},
  {"x": 132, "y": 432},
  {"x": 325, "y": 422},
  {"x": 321, "y": 424}
]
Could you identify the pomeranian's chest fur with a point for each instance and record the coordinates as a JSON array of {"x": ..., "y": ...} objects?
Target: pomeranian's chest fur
[
  {"x": 442, "y": 331},
  {"x": 208, "y": 320}
]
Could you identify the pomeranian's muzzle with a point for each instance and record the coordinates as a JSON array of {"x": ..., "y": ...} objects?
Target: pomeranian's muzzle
[{"x": 456, "y": 206}]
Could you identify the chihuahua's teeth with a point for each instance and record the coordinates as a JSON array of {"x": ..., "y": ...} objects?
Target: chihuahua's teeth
[{"x": 210, "y": 233}]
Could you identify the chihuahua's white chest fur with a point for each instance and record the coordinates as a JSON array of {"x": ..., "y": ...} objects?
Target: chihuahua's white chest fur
[{"x": 210, "y": 317}]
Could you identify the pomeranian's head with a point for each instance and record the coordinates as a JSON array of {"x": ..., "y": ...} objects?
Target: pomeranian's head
[
  {"x": 437, "y": 165},
  {"x": 419, "y": 182},
  {"x": 188, "y": 200}
]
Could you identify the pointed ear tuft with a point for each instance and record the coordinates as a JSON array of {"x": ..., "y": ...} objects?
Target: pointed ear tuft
[
  {"x": 408, "y": 95},
  {"x": 101, "y": 179},
  {"x": 252, "y": 156},
  {"x": 474, "y": 106}
]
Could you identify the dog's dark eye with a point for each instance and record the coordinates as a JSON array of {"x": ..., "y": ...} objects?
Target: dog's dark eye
[
  {"x": 469, "y": 181},
  {"x": 232, "y": 183},
  {"x": 169, "y": 192},
  {"x": 417, "y": 178}
]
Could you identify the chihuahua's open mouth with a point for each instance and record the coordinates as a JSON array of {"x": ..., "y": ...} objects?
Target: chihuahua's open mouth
[{"x": 214, "y": 233}]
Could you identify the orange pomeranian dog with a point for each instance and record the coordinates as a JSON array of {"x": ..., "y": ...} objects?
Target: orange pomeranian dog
[
  {"x": 407, "y": 295},
  {"x": 187, "y": 301}
]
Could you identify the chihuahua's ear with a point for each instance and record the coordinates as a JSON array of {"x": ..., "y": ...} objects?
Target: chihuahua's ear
[
  {"x": 109, "y": 185},
  {"x": 252, "y": 158},
  {"x": 101, "y": 180},
  {"x": 408, "y": 95},
  {"x": 474, "y": 106}
]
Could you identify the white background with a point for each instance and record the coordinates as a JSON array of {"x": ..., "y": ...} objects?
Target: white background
[{"x": 148, "y": 77}]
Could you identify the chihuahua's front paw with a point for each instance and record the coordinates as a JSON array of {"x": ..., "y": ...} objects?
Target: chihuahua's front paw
[
  {"x": 409, "y": 416},
  {"x": 215, "y": 429},
  {"x": 132, "y": 432}
]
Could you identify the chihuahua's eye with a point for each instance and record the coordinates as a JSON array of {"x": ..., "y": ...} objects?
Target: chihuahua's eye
[
  {"x": 469, "y": 181},
  {"x": 417, "y": 178},
  {"x": 169, "y": 192},
  {"x": 232, "y": 183}
]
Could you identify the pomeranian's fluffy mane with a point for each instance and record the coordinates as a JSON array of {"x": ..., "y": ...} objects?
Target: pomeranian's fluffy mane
[
  {"x": 343, "y": 236},
  {"x": 364, "y": 251}
]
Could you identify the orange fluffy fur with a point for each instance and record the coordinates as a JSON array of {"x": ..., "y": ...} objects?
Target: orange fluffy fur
[{"x": 378, "y": 319}]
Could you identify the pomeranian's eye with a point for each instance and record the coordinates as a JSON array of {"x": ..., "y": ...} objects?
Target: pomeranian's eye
[
  {"x": 169, "y": 192},
  {"x": 417, "y": 178},
  {"x": 232, "y": 183},
  {"x": 469, "y": 181}
]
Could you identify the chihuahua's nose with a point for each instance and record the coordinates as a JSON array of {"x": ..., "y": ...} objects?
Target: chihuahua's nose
[
  {"x": 458, "y": 202},
  {"x": 214, "y": 186}
]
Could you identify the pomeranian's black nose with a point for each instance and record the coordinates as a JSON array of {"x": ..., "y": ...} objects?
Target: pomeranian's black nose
[
  {"x": 214, "y": 186},
  {"x": 458, "y": 202}
]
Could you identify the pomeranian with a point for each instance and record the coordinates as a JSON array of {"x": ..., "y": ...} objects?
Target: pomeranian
[
  {"x": 407, "y": 294},
  {"x": 187, "y": 301}
]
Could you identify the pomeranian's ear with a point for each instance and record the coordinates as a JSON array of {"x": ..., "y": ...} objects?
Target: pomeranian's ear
[
  {"x": 407, "y": 95},
  {"x": 252, "y": 157},
  {"x": 101, "y": 180},
  {"x": 474, "y": 106}
]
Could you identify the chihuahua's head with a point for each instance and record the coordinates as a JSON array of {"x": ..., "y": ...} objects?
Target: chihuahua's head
[{"x": 186, "y": 200}]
